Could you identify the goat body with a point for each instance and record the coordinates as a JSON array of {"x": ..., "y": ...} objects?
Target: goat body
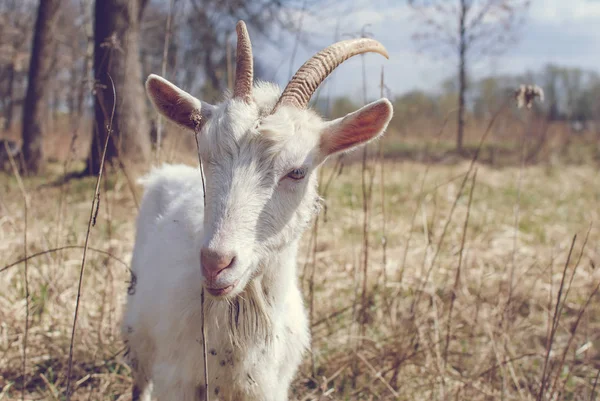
[
  {"x": 237, "y": 240},
  {"x": 255, "y": 341}
]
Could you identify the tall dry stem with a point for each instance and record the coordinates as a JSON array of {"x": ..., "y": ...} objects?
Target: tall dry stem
[
  {"x": 382, "y": 197},
  {"x": 420, "y": 198},
  {"x": 202, "y": 295},
  {"x": 517, "y": 210},
  {"x": 93, "y": 212},
  {"x": 163, "y": 69},
  {"x": 554, "y": 325},
  {"x": 62, "y": 248},
  {"x": 573, "y": 328},
  {"x": 367, "y": 185},
  {"x": 458, "y": 196},
  {"x": 458, "y": 268},
  {"x": 15, "y": 169},
  {"x": 558, "y": 376},
  {"x": 311, "y": 291}
]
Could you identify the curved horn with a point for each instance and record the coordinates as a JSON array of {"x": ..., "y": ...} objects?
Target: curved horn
[
  {"x": 244, "y": 70},
  {"x": 299, "y": 90}
]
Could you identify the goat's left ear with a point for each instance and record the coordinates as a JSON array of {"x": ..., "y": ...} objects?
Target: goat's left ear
[
  {"x": 176, "y": 104},
  {"x": 356, "y": 128}
]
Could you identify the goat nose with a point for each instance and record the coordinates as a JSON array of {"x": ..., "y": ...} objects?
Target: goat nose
[{"x": 214, "y": 262}]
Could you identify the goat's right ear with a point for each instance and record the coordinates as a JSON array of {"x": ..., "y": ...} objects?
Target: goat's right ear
[
  {"x": 356, "y": 128},
  {"x": 175, "y": 104}
]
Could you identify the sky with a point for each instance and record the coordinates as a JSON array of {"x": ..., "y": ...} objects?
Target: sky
[{"x": 564, "y": 32}]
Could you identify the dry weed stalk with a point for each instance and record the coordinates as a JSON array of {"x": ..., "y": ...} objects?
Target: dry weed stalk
[
  {"x": 420, "y": 197},
  {"x": 380, "y": 160},
  {"x": 559, "y": 312},
  {"x": 474, "y": 159},
  {"x": 593, "y": 391},
  {"x": 367, "y": 191},
  {"x": 159, "y": 121},
  {"x": 312, "y": 249},
  {"x": 311, "y": 290},
  {"x": 574, "y": 327},
  {"x": 15, "y": 169},
  {"x": 378, "y": 376},
  {"x": 367, "y": 186},
  {"x": 108, "y": 293},
  {"x": 202, "y": 304},
  {"x": 517, "y": 210},
  {"x": 93, "y": 213},
  {"x": 458, "y": 268},
  {"x": 62, "y": 248},
  {"x": 525, "y": 96},
  {"x": 554, "y": 324}
]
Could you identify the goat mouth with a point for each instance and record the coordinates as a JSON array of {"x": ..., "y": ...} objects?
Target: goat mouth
[{"x": 219, "y": 292}]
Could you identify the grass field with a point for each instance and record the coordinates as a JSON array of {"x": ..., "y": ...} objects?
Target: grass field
[{"x": 474, "y": 286}]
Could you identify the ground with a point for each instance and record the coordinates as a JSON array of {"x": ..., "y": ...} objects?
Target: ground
[{"x": 466, "y": 294}]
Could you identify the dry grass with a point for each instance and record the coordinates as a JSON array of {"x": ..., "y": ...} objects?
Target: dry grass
[
  {"x": 494, "y": 330},
  {"x": 546, "y": 142}
]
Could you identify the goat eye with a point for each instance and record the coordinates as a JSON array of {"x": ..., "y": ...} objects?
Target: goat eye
[{"x": 297, "y": 174}]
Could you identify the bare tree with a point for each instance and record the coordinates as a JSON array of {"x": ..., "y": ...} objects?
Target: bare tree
[
  {"x": 117, "y": 60},
  {"x": 200, "y": 35},
  {"x": 16, "y": 20},
  {"x": 467, "y": 30},
  {"x": 206, "y": 28},
  {"x": 39, "y": 79}
]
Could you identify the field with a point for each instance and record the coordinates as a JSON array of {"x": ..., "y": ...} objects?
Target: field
[{"x": 479, "y": 283}]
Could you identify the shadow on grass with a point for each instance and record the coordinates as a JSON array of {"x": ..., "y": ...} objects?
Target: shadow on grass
[{"x": 50, "y": 373}]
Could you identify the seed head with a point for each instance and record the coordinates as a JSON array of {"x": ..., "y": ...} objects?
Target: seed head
[{"x": 526, "y": 94}]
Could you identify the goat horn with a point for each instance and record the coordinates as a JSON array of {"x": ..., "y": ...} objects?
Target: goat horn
[
  {"x": 244, "y": 70},
  {"x": 307, "y": 79}
]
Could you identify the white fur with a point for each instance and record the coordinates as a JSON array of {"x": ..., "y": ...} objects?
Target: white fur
[{"x": 257, "y": 334}]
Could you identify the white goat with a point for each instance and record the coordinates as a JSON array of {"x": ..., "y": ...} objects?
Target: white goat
[{"x": 260, "y": 150}]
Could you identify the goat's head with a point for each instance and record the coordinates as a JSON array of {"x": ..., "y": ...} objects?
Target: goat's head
[{"x": 260, "y": 151}]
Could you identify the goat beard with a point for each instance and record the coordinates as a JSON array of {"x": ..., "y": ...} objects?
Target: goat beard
[{"x": 248, "y": 316}]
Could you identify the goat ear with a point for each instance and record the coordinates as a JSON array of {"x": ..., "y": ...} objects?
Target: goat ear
[
  {"x": 176, "y": 104},
  {"x": 356, "y": 128}
]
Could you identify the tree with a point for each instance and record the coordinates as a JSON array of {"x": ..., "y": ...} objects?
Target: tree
[
  {"x": 40, "y": 72},
  {"x": 342, "y": 106},
  {"x": 16, "y": 18},
  {"x": 467, "y": 30},
  {"x": 489, "y": 96},
  {"x": 413, "y": 105},
  {"x": 201, "y": 43},
  {"x": 206, "y": 28},
  {"x": 117, "y": 61}
]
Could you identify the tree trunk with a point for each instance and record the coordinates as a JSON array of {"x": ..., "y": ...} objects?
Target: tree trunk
[
  {"x": 38, "y": 85},
  {"x": 10, "y": 100},
  {"x": 462, "y": 79},
  {"x": 116, "y": 56},
  {"x": 87, "y": 65},
  {"x": 53, "y": 115}
]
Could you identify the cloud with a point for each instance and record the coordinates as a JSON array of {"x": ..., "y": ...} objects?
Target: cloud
[
  {"x": 557, "y": 33},
  {"x": 572, "y": 11}
]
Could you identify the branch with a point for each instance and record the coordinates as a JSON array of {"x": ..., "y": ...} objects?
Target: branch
[{"x": 481, "y": 15}]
